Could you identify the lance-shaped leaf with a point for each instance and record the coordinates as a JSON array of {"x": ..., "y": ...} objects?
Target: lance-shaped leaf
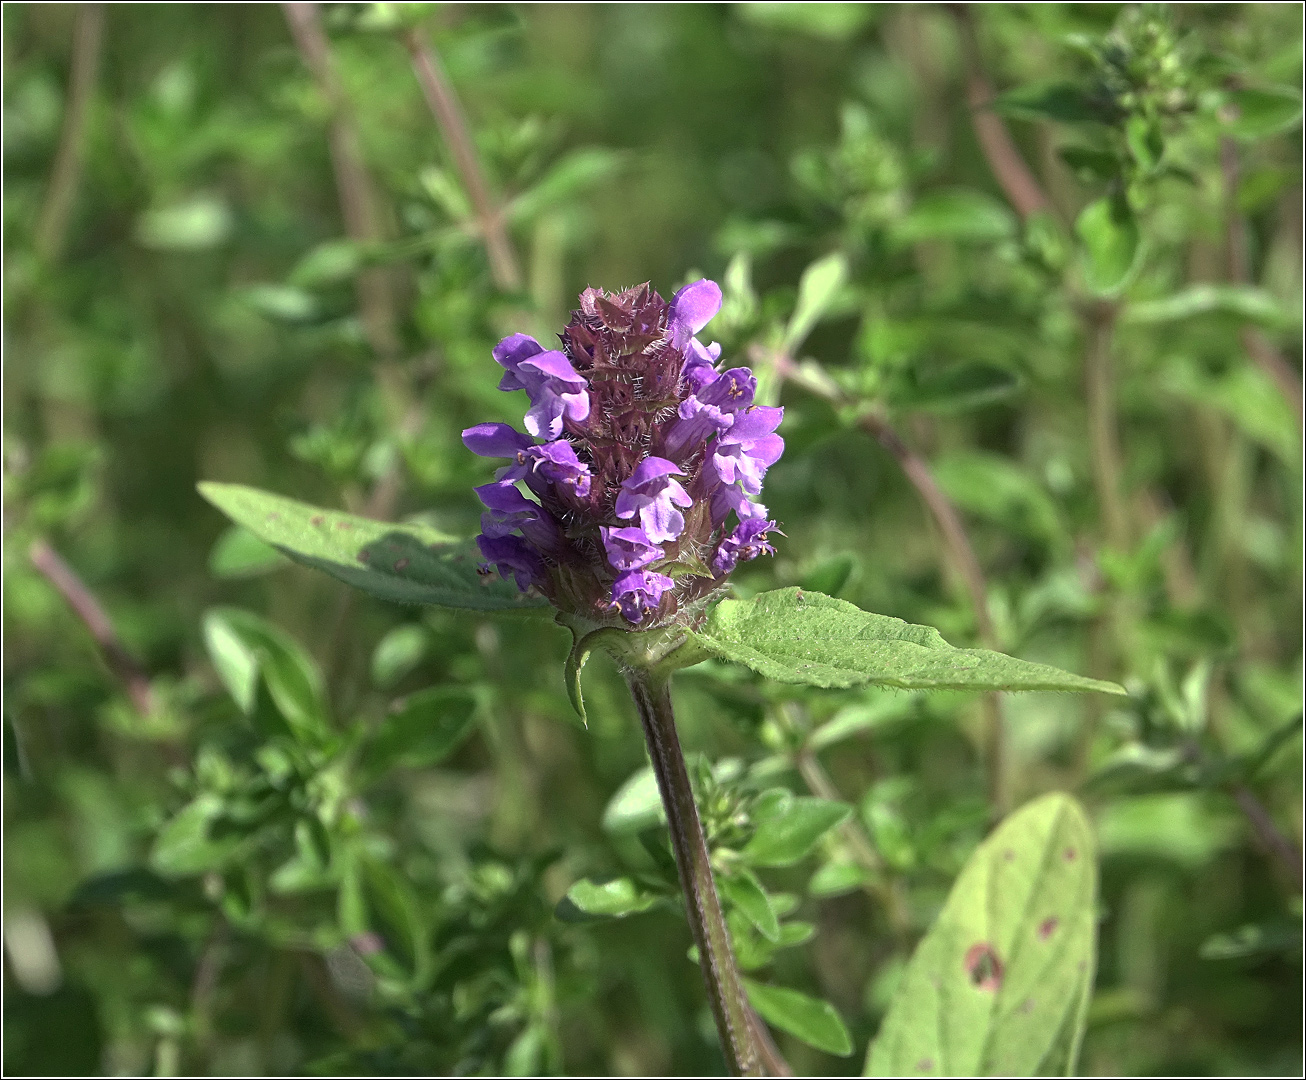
[
  {"x": 802, "y": 637},
  {"x": 404, "y": 563},
  {"x": 1000, "y": 984}
]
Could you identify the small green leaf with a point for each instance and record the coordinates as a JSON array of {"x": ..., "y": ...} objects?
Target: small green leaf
[
  {"x": 788, "y": 830},
  {"x": 837, "y": 878},
  {"x": 1061, "y": 101},
  {"x": 1111, "y": 244},
  {"x": 328, "y": 263},
  {"x": 960, "y": 214},
  {"x": 1241, "y": 301},
  {"x": 744, "y": 891},
  {"x": 244, "y": 645},
  {"x": 817, "y": 289},
  {"x": 885, "y": 708},
  {"x": 196, "y": 224},
  {"x": 833, "y": 22},
  {"x": 581, "y": 647},
  {"x": 999, "y": 985},
  {"x": 614, "y": 899},
  {"x": 579, "y": 171},
  {"x": 403, "y": 563},
  {"x": 636, "y": 806},
  {"x": 238, "y": 553},
  {"x": 1262, "y": 113},
  {"x": 953, "y": 388},
  {"x": 183, "y": 846},
  {"x": 426, "y": 728},
  {"x": 396, "y": 654},
  {"x": 814, "y": 1021},
  {"x": 798, "y": 637},
  {"x": 997, "y": 488}
]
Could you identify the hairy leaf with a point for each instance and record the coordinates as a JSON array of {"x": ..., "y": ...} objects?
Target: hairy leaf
[
  {"x": 404, "y": 563},
  {"x": 999, "y": 985},
  {"x": 800, "y": 637}
]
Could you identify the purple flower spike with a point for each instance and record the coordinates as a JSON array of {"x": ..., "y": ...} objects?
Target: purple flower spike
[
  {"x": 513, "y": 557},
  {"x": 700, "y": 364},
  {"x": 629, "y": 549},
  {"x": 496, "y": 440},
  {"x": 749, "y": 448},
  {"x": 748, "y": 541},
  {"x": 728, "y": 497},
  {"x": 552, "y": 383},
  {"x": 650, "y": 492},
  {"x": 507, "y": 509},
  {"x": 637, "y": 592},
  {"x": 692, "y": 308}
]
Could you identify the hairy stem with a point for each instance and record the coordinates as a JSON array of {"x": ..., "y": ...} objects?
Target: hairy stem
[
  {"x": 444, "y": 104},
  {"x": 86, "y": 607},
  {"x": 730, "y": 1008},
  {"x": 52, "y": 224}
]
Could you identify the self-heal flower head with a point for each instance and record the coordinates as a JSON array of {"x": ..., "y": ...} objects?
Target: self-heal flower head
[
  {"x": 651, "y": 493},
  {"x": 640, "y": 456}
]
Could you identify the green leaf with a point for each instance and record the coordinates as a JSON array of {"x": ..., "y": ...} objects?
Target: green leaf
[
  {"x": 960, "y": 214},
  {"x": 637, "y": 805},
  {"x": 1055, "y": 101},
  {"x": 1262, "y": 113},
  {"x": 243, "y": 645},
  {"x": 577, "y": 172},
  {"x": 817, "y": 289},
  {"x": 1241, "y": 301},
  {"x": 403, "y": 563},
  {"x": 834, "y": 22},
  {"x": 183, "y": 846},
  {"x": 396, "y": 654},
  {"x": 238, "y": 553},
  {"x": 581, "y": 647},
  {"x": 787, "y": 829},
  {"x": 1247, "y": 396},
  {"x": 798, "y": 637},
  {"x": 744, "y": 891},
  {"x": 1112, "y": 243},
  {"x": 998, "y": 488},
  {"x": 830, "y": 575},
  {"x": 999, "y": 985},
  {"x": 953, "y": 388},
  {"x": 837, "y": 878},
  {"x": 426, "y": 728},
  {"x": 885, "y": 708},
  {"x": 814, "y": 1021},
  {"x": 614, "y": 899},
  {"x": 195, "y": 224}
]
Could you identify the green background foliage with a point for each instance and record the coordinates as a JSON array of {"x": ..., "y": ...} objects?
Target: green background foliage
[{"x": 307, "y": 830}]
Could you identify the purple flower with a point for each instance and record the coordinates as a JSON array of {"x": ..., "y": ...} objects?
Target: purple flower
[
  {"x": 558, "y": 463},
  {"x": 692, "y": 308},
  {"x": 639, "y": 591},
  {"x": 749, "y": 448},
  {"x": 748, "y": 541},
  {"x": 548, "y": 378},
  {"x": 711, "y": 410},
  {"x": 728, "y": 497},
  {"x": 496, "y": 440},
  {"x": 629, "y": 549},
  {"x": 507, "y": 509},
  {"x": 700, "y": 364},
  {"x": 650, "y": 492},
  {"x": 512, "y": 556}
]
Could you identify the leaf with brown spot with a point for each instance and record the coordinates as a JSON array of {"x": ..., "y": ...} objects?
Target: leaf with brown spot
[{"x": 1000, "y": 984}]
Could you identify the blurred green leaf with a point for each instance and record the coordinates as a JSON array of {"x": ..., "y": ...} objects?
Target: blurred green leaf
[
  {"x": 578, "y": 172},
  {"x": 613, "y": 899},
  {"x": 960, "y": 214},
  {"x": 196, "y": 224},
  {"x": 238, "y": 553},
  {"x": 403, "y": 563},
  {"x": 425, "y": 729},
  {"x": 1005, "y": 971},
  {"x": 1243, "y": 301},
  {"x": 799, "y": 637},
  {"x": 1061, "y": 101},
  {"x": 1112, "y": 244},
  {"x": 398, "y": 653},
  {"x": 635, "y": 806},
  {"x": 835, "y": 22},
  {"x": 1262, "y": 113},
  {"x": 951, "y": 389},
  {"x": 788, "y": 830},
  {"x": 810, "y": 1019},
  {"x": 999, "y": 489},
  {"x": 817, "y": 289}
]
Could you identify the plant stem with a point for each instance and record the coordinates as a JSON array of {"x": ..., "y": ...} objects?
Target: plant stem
[
  {"x": 725, "y": 993},
  {"x": 52, "y": 224},
  {"x": 1103, "y": 437}
]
